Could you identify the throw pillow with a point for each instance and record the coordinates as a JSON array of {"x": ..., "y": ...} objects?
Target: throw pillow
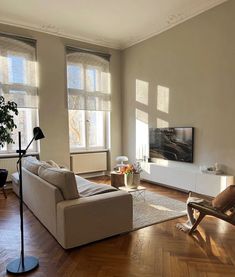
[
  {"x": 225, "y": 200},
  {"x": 31, "y": 164},
  {"x": 53, "y": 164},
  {"x": 64, "y": 180},
  {"x": 45, "y": 165}
]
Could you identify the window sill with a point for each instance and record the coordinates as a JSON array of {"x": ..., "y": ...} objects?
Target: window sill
[
  {"x": 88, "y": 151},
  {"x": 15, "y": 155}
]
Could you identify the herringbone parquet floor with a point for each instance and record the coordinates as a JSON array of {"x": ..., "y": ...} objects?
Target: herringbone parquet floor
[{"x": 158, "y": 250}]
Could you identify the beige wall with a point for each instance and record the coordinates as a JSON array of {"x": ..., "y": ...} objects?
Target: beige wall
[
  {"x": 196, "y": 61},
  {"x": 53, "y": 114}
]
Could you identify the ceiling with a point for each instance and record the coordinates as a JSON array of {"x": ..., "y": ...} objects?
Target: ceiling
[{"x": 111, "y": 23}]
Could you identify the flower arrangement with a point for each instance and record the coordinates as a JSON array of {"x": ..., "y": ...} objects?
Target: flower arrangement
[{"x": 131, "y": 168}]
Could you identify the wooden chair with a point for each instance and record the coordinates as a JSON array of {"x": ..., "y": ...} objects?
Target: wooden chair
[{"x": 207, "y": 209}]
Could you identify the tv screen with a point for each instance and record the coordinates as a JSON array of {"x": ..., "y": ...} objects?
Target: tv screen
[{"x": 174, "y": 144}]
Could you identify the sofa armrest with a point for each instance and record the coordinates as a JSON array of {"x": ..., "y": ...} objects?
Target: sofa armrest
[{"x": 93, "y": 218}]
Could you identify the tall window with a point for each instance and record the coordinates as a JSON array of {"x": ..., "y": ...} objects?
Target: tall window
[
  {"x": 88, "y": 81},
  {"x": 18, "y": 83}
]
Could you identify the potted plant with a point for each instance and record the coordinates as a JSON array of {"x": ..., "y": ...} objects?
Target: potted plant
[{"x": 7, "y": 125}]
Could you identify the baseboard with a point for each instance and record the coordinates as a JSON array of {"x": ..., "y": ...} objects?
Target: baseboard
[
  {"x": 93, "y": 174},
  {"x": 166, "y": 186}
]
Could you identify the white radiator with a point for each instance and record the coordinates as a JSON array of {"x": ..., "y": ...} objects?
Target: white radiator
[
  {"x": 10, "y": 165},
  {"x": 88, "y": 162}
]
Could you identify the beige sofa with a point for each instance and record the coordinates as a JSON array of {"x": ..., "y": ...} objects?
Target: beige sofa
[{"x": 79, "y": 221}]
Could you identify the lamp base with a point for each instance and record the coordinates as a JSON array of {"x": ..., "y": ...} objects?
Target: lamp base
[{"x": 16, "y": 267}]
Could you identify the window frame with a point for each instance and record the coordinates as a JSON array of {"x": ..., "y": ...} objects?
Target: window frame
[
  {"x": 87, "y": 90},
  {"x": 87, "y": 148}
]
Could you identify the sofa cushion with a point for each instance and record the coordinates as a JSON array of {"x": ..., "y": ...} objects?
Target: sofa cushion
[
  {"x": 225, "y": 200},
  {"x": 32, "y": 164},
  {"x": 63, "y": 179},
  {"x": 87, "y": 188}
]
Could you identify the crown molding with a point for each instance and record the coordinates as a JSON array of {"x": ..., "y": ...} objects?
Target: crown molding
[
  {"x": 171, "y": 21},
  {"x": 53, "y": 30}
]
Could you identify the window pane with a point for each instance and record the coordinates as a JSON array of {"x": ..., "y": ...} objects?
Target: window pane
[
  {"x": 77, "y": 129},
  {"x": 95, "y": 128},
  {"x": 16, "y": 69},
  {"x": 25, "y": 121},
  {"x": 92, "y": 79},
  {"x": 75, "y": 79},
  {"x": 4, "y": 148}
]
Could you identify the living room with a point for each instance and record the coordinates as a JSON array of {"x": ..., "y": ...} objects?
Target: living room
[{"x": 180, "y": 74}]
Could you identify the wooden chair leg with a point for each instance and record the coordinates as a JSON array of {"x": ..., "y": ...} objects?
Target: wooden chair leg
[
  {"x": 199, "y": 219},
  {"x": 5, "y": 195}
]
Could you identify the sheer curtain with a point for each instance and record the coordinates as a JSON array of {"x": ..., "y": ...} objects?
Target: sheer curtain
[
  {"x": 18, "y": 83},
  {"x": 88, "y": 82},
  {"x": 18, "y": 72}
]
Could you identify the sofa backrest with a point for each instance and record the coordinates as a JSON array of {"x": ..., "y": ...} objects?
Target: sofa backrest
[
  {"x": 42, "y": 198},
  {"x": 63, "y": 179}
]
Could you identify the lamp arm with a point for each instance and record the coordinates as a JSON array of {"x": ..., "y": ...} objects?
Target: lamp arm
[{"x": 23, "y": 152}]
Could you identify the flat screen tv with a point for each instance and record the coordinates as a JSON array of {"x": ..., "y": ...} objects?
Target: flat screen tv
[{"x": 174, "y": 144}]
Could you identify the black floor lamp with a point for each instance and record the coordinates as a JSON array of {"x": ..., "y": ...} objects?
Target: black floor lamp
[{"x": 24, "y": 264}]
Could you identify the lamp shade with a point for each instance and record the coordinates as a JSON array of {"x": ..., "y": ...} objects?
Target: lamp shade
[
  {"x": 121, "y": 159},
  {"x": 37, "y": 133}
]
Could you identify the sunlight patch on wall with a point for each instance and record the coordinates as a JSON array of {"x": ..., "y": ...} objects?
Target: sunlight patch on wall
[
  {"x": 162, "y": 123},
  {"x": 223, "y": 183},
  {"x": 142, "y": 135},
  {"x": 163, "y": 94},
  {"x": 142, "y": 88}
]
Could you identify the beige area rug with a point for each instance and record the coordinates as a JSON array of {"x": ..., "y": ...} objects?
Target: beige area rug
[{"x": 155, "y": 209}]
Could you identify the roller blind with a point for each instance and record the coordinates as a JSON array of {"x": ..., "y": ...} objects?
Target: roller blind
[
  {"x": 88, "y": 81},
  {"x": 18, "y": 71}
]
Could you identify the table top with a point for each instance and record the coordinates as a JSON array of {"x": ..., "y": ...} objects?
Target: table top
[
  {"x": 116, "y": 173},
  {"x": 139, "y": 188}
]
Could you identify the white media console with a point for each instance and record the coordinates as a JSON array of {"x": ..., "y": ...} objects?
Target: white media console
[{"x": 187, "y": 178}]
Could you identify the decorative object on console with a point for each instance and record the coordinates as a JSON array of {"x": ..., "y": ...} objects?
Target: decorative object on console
[
  {"x": 24, "y": 264},
  {"x": 216, "y": 169}
]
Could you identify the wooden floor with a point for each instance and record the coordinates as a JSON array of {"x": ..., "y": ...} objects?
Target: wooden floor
[{"x": 158, "y": 250}]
